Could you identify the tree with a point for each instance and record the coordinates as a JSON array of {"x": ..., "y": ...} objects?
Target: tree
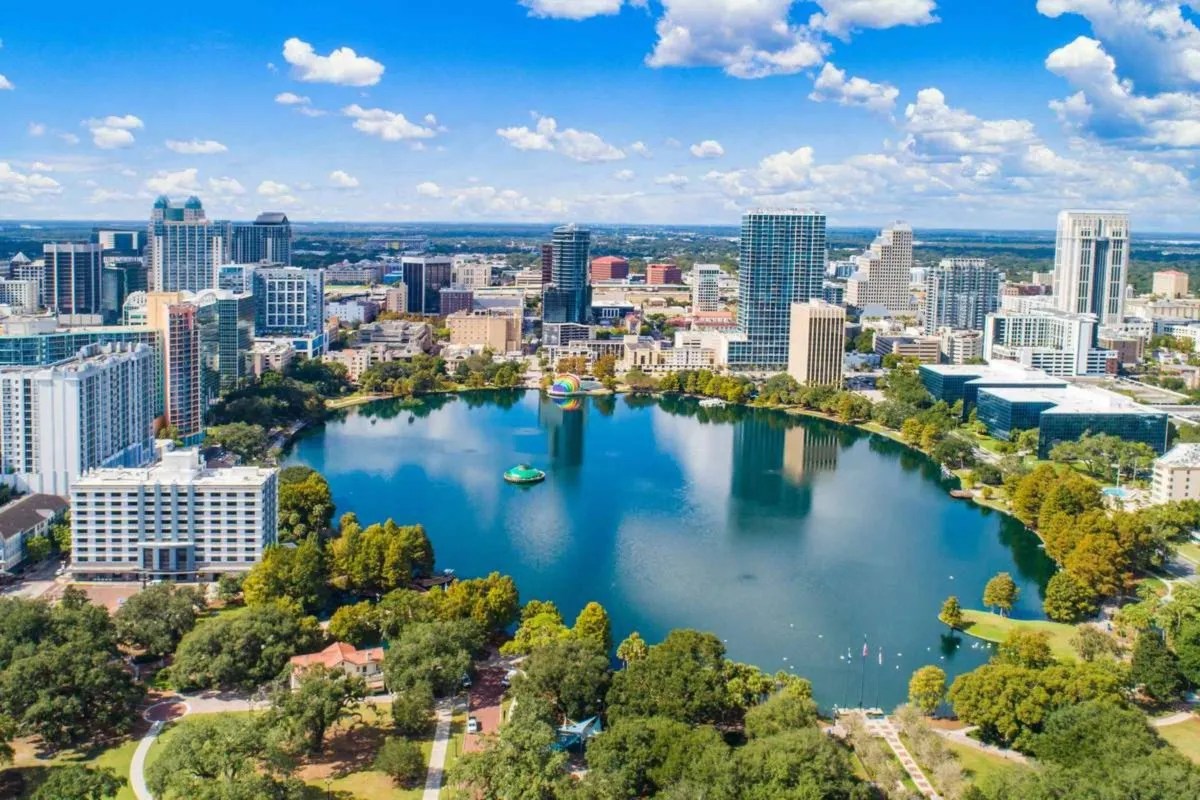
[
  {"x": 356, "y": 624},
  {"x": 380, "y": 558},
  {"x": 1187, "y": 648},
  {"x": 797, "y": 764},
  {"x": 219, "y": 757},
  {"x": 1026, "y": 648},
  {"x": 249, "y": 442},
  {"x": 412, "y": 710},
  {"x": 518, "y": 763},
  {"x": 156, "y": 618},
  {"x": 321, "y": 698},
  {"x": 1001, "y": 592},
  {"x": 572, "y": 675},
  {"x": 1155, "y": 668},
  {"x": 1091, "y": 643},
  {"x": 955, "y": 452},
  {"x": 541, "y": 623},
  {"x": 632, "y": 648},
  {"x": 788, "y": 709},
  {"x": 402, "y": 761},
  {"x": 682, "y": 678},
  {"x": 927, "y": 688},
  {"x": 74, "y": 782},
  {"x": 592, "y": 626},
  {"x": 1068, "y": 599},
  {"x": 951, "y": 613},
  {"x": 399, "y": 608},
  {"x": 242, "y": 649},
  {"x": 436, "y": 654},
  {"x": 1093, "y": 735},
  {"x": 493, "y": 602},
  {"x": 297, "y": 574},
  {"x": 38, "y": 548},
  {"x": 229, "y": 587},
  {"x": 648, "y": 757},
  {"x": 305, "y": 503}
]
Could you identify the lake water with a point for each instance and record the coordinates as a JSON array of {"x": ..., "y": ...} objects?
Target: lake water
[{"x": 791, "y": 538}]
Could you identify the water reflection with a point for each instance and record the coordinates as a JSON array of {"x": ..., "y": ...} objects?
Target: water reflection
[{"x": 564, "y": 430}]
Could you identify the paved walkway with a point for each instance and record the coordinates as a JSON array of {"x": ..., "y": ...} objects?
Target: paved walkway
[
  {"x": 1173, "y": 719},
  {"x": 885, "y": 729},
  {"x": 960, "y": 736},
  {"x": 437, "y": 754},
  {"x": 157, "y": 715}
]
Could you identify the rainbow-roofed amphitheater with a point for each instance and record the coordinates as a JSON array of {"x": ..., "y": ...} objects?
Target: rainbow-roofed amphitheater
[{"x": 566, "y": 385}]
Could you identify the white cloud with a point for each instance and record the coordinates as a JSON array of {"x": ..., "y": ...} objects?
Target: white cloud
[
  {"x": 292, "y": 99},
  {"x": 938, "y": 131},
  {"x": 387, "y": 125},
  {"x": 342, "y": 66},
  {"x": 709, "y": 148},
  {"x": 226, "y": 186},
  {"x": 342, "y": 179},
  {"x": 272, "y": 189},
  {"x": 429, "y": 189},
  {"x": 24, "y": 187},
  {"x": 672, "y": 180},
  {"x": 69, "y": 138},
  {"x": 624, "y": 175},
  {"x": 6, "y": 84},
  {"x": 196, "y": 147},
  {"x": 101, "y": 196},
  {"x": 113, "y": 132},
  {"x": 178, "y": 182},
  {"x": 841, "y": 17},
  {"x": 641, "y": 149},
  {"x": 572, "y": 9},
  {"x": 833, "y": 86},
  {"x": 36, "y": 129},
  {"x": 574, "y": 144}
]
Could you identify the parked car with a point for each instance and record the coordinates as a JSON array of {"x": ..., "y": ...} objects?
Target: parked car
[
  {"x": 473, "y": 725},
  {"x": 466, "y": 680}
]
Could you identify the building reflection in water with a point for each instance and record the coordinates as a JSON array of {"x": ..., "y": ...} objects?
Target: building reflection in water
[
  {"x": 808, "y": 451},
  {"x": 773, "y": 462},
  {"x": 562, "y": 420}
]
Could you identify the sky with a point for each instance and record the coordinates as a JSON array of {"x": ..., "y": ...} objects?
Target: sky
[{"x": 942, "y": 113}]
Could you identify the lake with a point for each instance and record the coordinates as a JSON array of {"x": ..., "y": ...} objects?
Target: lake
[{"x": 791, "y": 538}]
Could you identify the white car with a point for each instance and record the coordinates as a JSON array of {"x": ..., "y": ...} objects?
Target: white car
[{"x": 473, "y": 725}]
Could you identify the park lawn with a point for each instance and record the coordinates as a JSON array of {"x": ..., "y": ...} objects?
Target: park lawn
[
  {"x": 1185, "y": 737},
  {"x": 117, "y": 758},
  {"x": 978, "y": 764},
  {"x": 1191, "y": 551},
  {"x": 995, "y": 628}
]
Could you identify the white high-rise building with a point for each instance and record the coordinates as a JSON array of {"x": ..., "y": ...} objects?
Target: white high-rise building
[
  {"x": 884, "y": 272},
  {"x": 175, "y": 520},
  {"x": 95, "y": 410},
  {"x": 183, "y": 247},
  {"x": 1053, "y": 341},
  {"x": 1091, "y": 259},
  {"x": 706, "y": 292}
]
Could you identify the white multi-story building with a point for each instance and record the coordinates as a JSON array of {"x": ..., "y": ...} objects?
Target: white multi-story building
[
  {"x": 95, "y": 410},
  {"x": 1056, "y": 342},
  {"x": 884, "y": 272},
  {"x": 183, "y": 247},
  {"x": 472, "y": 273},
  {"x": 1177, "y": 475},
  {"x": 1091, "y": 258},
  {"x": 21, "y": 296},
  {"x": 706, "y": 289},
  {"x": 175, "y": 520}
]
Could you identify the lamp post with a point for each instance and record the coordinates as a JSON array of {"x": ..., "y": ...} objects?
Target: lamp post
[{"x": 328, "y": 787}]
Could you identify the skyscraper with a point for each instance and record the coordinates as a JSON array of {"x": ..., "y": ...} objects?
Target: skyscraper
[
  {"x": 183, "y": 248},
  {"x": 268, "y": 238},
  {"x": 817, "y": 343},
  {"x": 177, "y": 324},
  {"x": 960, "y": 293},
  {"x": 782, "y": 257},
  {"x": 569, "y": 297},
  {"x": 117, "y": 282},
  {"x": 71, "y": 279},
  {"x": 289, "y": 301},
  {"x": 1091, "y": 257},
  {"x": 706, "y": 294},
  {"x": 884, "y": 272},
  {"x": 425, "y": 277}
]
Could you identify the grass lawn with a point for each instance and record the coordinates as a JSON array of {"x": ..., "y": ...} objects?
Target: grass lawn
[
  {"x": 979, "y": 765},
  {"x": 1190, "y": 551},
  {"x": 35, "y": 770},
  {"x": 1185, "y": 737},
  {"x": 995, "y": 628}
]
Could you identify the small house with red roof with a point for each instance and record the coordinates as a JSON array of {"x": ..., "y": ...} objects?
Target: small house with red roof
[{"x": 366, "y": 664}]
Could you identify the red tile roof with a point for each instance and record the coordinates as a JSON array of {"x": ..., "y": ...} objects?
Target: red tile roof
[{"x": 339, "y": 653}]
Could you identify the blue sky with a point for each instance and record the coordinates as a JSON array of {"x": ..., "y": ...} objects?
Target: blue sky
[{"x": 947, "y": 113}]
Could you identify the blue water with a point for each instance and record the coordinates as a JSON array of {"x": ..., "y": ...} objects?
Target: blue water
[{"x": 789, "y": 537}]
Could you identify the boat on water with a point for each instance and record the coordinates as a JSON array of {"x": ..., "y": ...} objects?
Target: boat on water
[
  {"x": 712, "y": 402},
  {"x": 523, "y": 475}
]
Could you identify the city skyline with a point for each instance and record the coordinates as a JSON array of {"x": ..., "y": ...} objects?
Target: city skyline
[{"x": 608, "y": 111}]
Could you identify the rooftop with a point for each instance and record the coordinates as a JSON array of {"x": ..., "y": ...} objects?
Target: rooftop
[
  {"x": 1073, "y": 400},
  {"x": 1181, "y": 455},
  {"x": 183, "y": 467},
  {"x": 26, "y": 512},
  {"x": 339, "y": 653},
  {"x": 999, "y": 370}
]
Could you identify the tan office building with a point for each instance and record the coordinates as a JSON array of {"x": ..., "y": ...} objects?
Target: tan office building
[
  {"x": 817, "y": 343},
  {"x": 499, "y": 332},
  {"x": 1170, "y": 284}
]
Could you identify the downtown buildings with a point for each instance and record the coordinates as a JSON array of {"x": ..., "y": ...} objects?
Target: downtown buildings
[
  {"x": 568, "y": 298},
  {"x": 289, "y": 303},
  {"x": 959, "y": 294},
  {"x": 817, "y": 343},
  {"x": 183, "y": 247},
  {"x": 266, "y": 240},
  {"x": 782, "y": 262},
  {"x": 71, "y": 280},
  {"x": 706, "y": 288},
  {"x": 883, "y": 273},
  {"x": 1091, "y": 261},
  {"x": 175, "y": 520}
]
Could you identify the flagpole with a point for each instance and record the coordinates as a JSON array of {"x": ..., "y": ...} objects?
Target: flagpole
[
  {"x": 862, "y": 683},
  {"x": 879, "y": 677}
]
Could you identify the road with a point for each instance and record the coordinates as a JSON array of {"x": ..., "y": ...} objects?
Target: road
[{"x": 437, "y": 754}]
